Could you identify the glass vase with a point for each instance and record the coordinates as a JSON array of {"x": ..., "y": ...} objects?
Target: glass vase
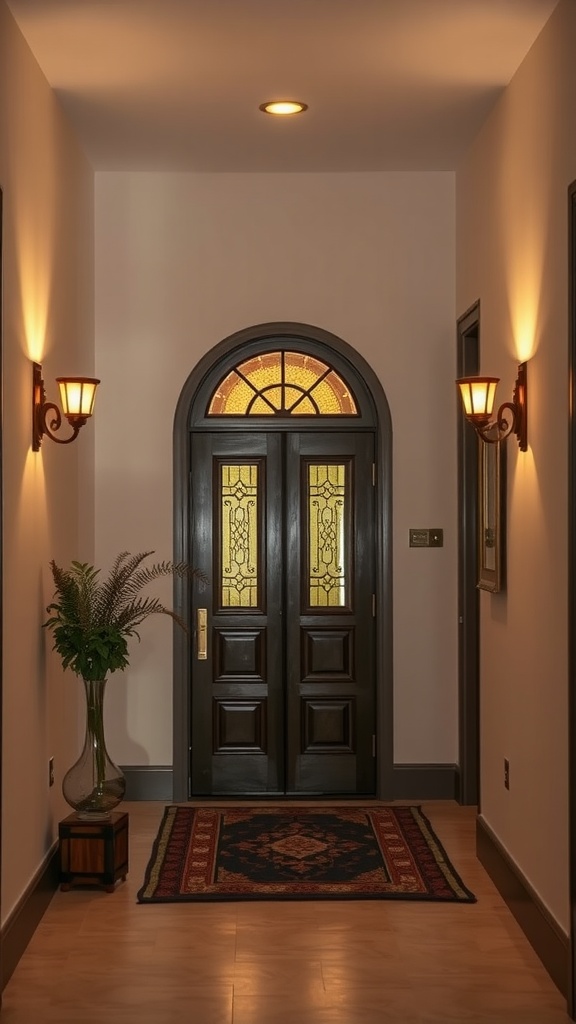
[{"x": 94, "y": 786}]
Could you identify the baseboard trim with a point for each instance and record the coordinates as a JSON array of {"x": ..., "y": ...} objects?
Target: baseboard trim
[
  {"x": 425, "y": 781},
  {"x": 148, "y": 782},
  {"x": 410, "y": 782},
  {"x": 21, "y": 924},
  {"x": 543, "y": 932}
]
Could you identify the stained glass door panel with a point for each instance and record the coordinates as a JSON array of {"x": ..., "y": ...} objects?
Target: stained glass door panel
[{"x": 284, "y": 701}]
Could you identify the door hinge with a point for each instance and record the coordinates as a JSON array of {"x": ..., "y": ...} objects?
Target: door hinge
[
  {"x": 373, "y": 606},
  {"x": 373, "y": 474},
  {"x": 373, "y": 746}
]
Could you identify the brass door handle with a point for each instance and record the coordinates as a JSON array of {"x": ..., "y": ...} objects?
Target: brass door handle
[{"x": 202, "y": 634}]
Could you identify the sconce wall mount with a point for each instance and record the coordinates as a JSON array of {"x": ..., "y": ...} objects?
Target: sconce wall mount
[
  {"x": 77, "y": 395},
  {"x": 478, "y": 395}
]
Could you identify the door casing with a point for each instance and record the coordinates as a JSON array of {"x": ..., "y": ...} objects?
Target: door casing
[
  {"x": 468, "y": 362},
  {"x": 190, "y": 416},
  {"x": 572, "y": 590}
]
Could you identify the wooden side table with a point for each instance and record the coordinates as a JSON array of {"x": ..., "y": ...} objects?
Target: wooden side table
[{"x": 93, "y": 852}]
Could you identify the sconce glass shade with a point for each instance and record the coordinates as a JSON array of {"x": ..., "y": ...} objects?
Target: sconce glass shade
[
  {"x": 478, "y": 394},
  {"x": 77, "y": 396}
]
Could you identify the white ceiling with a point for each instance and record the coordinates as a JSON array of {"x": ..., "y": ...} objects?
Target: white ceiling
[{"x": 176, "y": 84}]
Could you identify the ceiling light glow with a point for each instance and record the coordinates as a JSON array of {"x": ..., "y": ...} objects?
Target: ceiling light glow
[{"x": 283, "y": 107}]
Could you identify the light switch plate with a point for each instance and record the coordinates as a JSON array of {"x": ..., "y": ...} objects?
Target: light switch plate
[
  {"x": 431, "y": 538},
  {"x": 419, "y": 538}
]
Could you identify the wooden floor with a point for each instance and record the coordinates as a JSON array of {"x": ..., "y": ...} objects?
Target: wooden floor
[{"x": 101, "y": 957}]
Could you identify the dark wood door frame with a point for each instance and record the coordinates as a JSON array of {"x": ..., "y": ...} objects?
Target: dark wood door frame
[
  {"x": 468, "y": 362},
  {"x": 572, "y": 588},
  {"x": 1, "y": 531},
  {"x": 190, "y": 415}
]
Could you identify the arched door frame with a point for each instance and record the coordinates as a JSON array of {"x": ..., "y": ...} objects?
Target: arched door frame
[{"x": 353, "y": 367}]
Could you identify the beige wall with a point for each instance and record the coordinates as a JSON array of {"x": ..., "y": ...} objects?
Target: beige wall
[
  {"x": 183, "y": 261},
  {"x": 48, "y": 316},
  {"x": 512, "y": 255}
]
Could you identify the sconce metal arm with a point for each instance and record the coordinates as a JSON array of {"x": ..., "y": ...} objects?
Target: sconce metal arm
[
  {"x": 45, "y": 427},
  {"x": 500, "y": 428}
]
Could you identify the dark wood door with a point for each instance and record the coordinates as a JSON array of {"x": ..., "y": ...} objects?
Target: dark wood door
[{"x": 283, "y": 691}]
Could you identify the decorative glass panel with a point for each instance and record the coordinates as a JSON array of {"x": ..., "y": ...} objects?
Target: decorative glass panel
[
  {"x": 305, "y": 408},
  {"x": 282, "y": 384},
  {"x": 327, "y": 500},
  {"x": 239, "y": 517}
]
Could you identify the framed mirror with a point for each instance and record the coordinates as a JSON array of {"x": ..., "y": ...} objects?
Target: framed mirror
[{"x": 491, "y": 516}]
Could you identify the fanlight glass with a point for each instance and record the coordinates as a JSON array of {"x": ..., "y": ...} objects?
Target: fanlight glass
[{"x": 282, "y": 384}]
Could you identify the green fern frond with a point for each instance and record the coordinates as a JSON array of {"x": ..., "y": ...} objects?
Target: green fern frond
[
  {"x": 114, "y": 589},
  {"x": 148, "y": 574},
  {"x": 91, "y": 621}
]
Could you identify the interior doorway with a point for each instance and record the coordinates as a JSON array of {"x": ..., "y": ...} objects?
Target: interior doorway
[
  {"x": 283, "y": 496},
  {"x": 468, "y": 365}
]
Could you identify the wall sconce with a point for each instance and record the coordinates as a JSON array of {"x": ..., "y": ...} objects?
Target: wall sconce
[
  {"x": 77, "y": 396},
  {"x": 478, "y": 395}
]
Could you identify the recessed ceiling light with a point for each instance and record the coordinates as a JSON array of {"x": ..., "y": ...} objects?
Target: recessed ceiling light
[{"x": 283, "y": 107}]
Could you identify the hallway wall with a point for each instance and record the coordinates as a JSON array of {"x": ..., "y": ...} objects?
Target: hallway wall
[
  {"x": 512, "y": 255},
  {"x": 183, "y": 261},
  {"x": 48, "y": 315}
]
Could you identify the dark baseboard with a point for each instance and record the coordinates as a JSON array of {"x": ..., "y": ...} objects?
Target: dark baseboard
[
  {"x": 27, "y": 914},
  {"x": 425, "y": 781},
  {"x": 550, "y": 942},
  {"x": 148, "y": 782},
  {"x": 410, "y": 782}
]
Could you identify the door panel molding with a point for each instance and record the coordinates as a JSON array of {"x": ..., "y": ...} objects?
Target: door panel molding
[{"x": 190, "y": 420}]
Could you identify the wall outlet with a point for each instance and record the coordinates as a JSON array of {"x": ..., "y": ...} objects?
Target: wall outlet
[
  {"x": 51, "y": 772},
  {"x": 506, "y": 773}
]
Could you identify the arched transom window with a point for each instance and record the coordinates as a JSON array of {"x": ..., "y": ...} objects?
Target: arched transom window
[{"x": 282, "y": 384}]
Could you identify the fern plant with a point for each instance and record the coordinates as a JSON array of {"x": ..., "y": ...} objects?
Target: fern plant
[{"x": 92, "y": 619}]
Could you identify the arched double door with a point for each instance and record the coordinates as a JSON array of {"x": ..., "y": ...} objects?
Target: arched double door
[{"x": 280, "y": 690}]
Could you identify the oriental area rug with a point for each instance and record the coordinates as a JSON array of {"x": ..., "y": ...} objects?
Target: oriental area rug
[{"x": 299, "y": 853}]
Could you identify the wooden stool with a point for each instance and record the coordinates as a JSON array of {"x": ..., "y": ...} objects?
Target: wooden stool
[{"x": 93, "y": 852}]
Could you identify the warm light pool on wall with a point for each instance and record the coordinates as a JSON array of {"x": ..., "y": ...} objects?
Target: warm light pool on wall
[
  {"x": 77, "y": 395},
  {"x": 283, "y": 108},
  {"x": 478, "y": 395}
]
